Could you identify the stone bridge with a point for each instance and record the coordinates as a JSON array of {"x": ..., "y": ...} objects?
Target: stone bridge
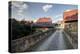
[{"x": 24, "y": 43}]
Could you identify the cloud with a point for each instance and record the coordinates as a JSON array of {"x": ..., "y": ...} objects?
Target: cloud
[
  {"x": 57, "y": 18},
  {"x": 20, "y": 7},
  {"x": 17, "y": 4},
  {"x": 47, "y": 7}
]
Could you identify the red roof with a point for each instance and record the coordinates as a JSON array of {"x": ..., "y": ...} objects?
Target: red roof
[
  {"x": 71, "y": 15},
  {"x": 41, "y": 20}
]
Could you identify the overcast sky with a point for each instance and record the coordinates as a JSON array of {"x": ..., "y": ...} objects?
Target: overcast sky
[{"x": 33, "y": 11}]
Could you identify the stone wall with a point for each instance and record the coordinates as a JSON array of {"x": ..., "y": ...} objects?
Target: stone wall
[{"x": 22, "y": 44}]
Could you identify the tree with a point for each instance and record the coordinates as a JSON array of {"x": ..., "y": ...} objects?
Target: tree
[{"x": 18, "y": 29}]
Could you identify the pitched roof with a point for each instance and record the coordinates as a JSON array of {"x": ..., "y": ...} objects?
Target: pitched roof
[
  {"x": 71, "y": 15},
  {"x": 44, "y": 19}
]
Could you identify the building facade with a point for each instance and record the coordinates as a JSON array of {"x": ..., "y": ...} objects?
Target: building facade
[
  {"x": 45, "y": 22},
  {"x": 71, "y": 26},
  {"x": 71, "y": 20}
]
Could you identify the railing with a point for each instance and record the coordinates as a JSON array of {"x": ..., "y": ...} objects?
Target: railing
[
  {"x": 22, "y": 44},
  {"x": 74, "y": 38}
]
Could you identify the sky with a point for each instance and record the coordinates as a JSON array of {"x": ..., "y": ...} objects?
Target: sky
[{"x": 33, "y": 11}]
